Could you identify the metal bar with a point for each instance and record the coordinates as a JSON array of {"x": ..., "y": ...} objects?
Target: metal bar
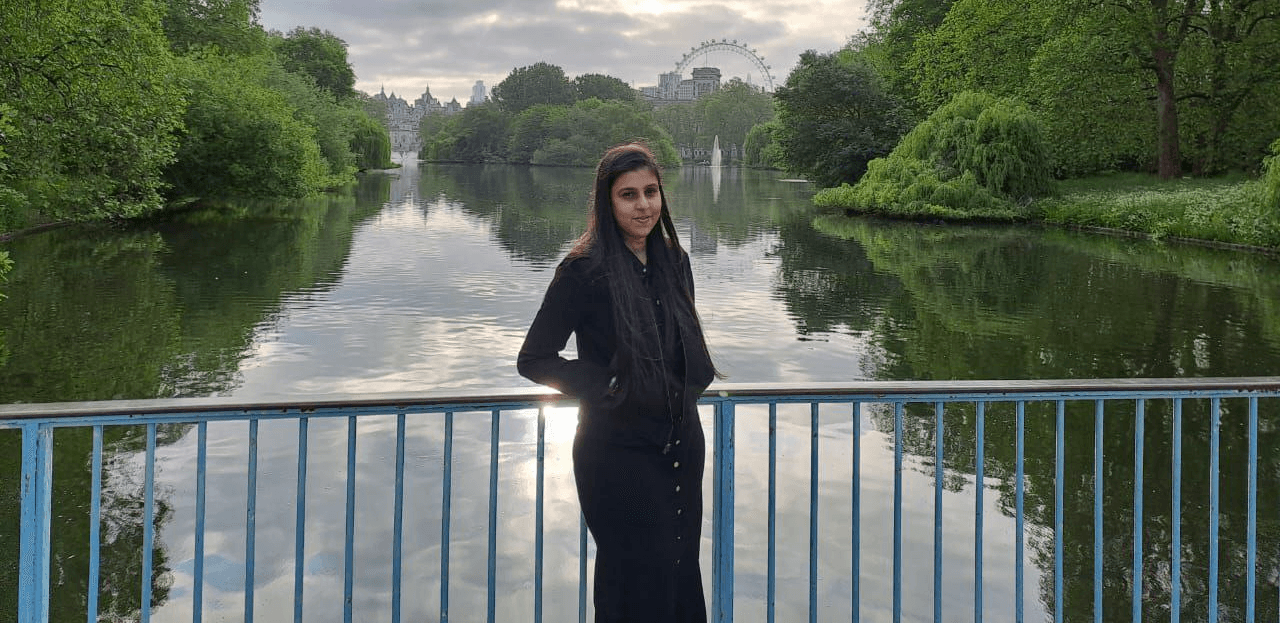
[
  {"x": 148, "y": 522},
  {"x": 978, "y": 461},
  {"x": 1175, "y": 548},
  {"x": 856, "y": 498},
  {"x": 348, "y": 547},
  {"x": 1058, "y": 483},
  {"x": 722, "y": 523},
  {"x": 773, "y": 512},
  {"x": 813, "y": 513},
  {"x": 35, "y": 492},
  {"x": 1139, "y": 431},
  {"x": 95, "y": 526},
  {"x": 447, "y": 476},
  {"x": 493, "y": 517},
  {"x": 300, "y": 522},
  {"x": 1251, "y": 556},
  {"x": 397, "y": 524},
  {"x": 1215, "y": 420},
  {"x": 897, "y": 512},
  {"x": 483, "y": 399},
  {"x": 250, "y": 520},
  {"x": 537, "y": 521},
  {"x": 937, "y": 511},
  {"x": 1098, "y": 428},
  {"x": 202, "y": 461},
  {"x": 1018, "y": 515}
]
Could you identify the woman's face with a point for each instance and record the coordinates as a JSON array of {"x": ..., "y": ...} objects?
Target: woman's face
[{"x": 637, "y": 204}]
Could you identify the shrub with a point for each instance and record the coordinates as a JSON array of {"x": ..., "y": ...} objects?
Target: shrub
[{"x": 978, "y": 157}]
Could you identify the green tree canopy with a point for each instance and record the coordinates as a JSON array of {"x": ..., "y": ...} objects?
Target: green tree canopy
[
  {"x": 603, "y": 88},
  {"x": 89, "y": 94},
  {"x": 241, "y": 136},
  {"x": 540, "y": 83},
  {"x": 321, "y": 55},
  {"x": 230, "y": 26},
  {"x": 835, "y": 116}
]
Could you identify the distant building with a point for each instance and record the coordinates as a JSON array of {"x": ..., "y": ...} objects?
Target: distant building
[
  {"x": 403, "y": 118},
  {"x": 673, "y": 88},
  {"x": 478, "y": 95}
]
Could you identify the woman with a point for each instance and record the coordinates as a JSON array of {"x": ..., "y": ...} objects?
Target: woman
[{"x": 626, "y": 291}]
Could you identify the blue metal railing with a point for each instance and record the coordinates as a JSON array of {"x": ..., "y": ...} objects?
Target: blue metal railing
[{"x": 901, "y": 410}]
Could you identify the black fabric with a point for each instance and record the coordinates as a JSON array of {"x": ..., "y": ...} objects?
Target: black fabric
[{"x": 637, "y": 462}]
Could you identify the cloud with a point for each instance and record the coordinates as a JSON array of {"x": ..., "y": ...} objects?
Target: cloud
[{"x": 446, "y": 45}]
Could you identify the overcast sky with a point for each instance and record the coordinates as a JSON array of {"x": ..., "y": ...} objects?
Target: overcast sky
[{"x": 408, "y": 45}]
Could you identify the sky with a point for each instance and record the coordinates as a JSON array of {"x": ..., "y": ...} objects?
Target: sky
[{"x": 406, "y": 46}]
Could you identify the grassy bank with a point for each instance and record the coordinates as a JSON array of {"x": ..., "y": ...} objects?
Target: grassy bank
[
  {"x": 1225, "y": 210},
  {"x": 1221, "y": 210}
]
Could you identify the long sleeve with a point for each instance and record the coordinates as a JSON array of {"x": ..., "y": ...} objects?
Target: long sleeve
[{"x": 565, "y": 309}]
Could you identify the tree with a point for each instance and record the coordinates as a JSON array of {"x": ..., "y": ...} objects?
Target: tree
[
  {"x": 539, "y": 83},
  {"x": 760, "y": 149},
  {"x": 603, "y": 88},
  {"x": 241, "y": 137},
  {"x": 896, "y": 25},
  {"x": 321, "y": 55},
  {"x": 835, "y": 116},
  {"x": 230, "y": 26},
  {"x": 93, "y": 108}
]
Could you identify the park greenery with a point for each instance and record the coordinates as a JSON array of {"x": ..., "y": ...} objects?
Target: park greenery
[
  {"x": 111, "y": 110},
  {"x": 1180, "y": 91},
  {"x": 538, "y": 115}
]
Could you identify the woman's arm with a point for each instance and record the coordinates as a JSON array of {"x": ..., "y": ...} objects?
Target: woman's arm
[{"x": 563, "y": 310}]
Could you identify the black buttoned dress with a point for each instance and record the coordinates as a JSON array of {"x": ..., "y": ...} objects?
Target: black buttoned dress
[{"x": 637, "y": 463}]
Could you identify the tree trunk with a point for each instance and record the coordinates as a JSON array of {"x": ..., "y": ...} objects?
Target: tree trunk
[{"x": 1168, "y": 152}]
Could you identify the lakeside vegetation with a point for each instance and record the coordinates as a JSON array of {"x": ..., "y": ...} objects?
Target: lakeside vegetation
[
  {"x": 114, "y": 110},
  {"x": 1005, "y": 110},
  {"x": 1149, "y": 117}
]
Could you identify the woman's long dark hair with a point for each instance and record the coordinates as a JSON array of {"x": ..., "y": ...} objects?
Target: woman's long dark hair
[{"x": 637, "y": 360}]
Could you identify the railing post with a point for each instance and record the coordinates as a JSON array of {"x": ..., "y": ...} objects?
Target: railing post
[
  {"x": 37, "y": 486},
  {"x": 722, "y": 516}
]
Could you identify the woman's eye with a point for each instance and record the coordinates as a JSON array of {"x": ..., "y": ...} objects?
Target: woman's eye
[{"x": 652, "y": 192}]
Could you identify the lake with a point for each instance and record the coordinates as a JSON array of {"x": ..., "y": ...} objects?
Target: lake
[{"x": 425, "y": 279}]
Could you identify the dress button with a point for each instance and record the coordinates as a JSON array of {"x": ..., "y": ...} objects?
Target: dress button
[
  {"x": 679, "y": 511},
  {"x": 677, "y": 562},
  {"x": 677, "y": 488},
  {"x": 657, "y": 302},
  {"x": 676, "y": 464}
]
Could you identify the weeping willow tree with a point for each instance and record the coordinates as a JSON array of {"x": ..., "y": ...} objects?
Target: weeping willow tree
[
  {"x": 978, "y": 157},
  {"x": 1271, "y": 178}
]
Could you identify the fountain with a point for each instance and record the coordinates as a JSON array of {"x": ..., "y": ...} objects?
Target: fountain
[{"x": 715, "y": 152}]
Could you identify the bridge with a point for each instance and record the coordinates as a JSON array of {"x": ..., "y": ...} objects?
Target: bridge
[{"x": 914, "y": 418}]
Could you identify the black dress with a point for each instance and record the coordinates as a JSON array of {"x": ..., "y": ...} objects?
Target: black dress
[{"x": 638, "y": 464}]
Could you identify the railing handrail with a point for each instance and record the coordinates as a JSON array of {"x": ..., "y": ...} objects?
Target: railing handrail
[{"x": 481, "y": 399}]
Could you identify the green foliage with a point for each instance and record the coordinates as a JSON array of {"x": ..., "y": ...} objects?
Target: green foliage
[
  {"x": 1225, "y": 211},
  {"x": 1271, "y": 180},
  {"x": 479, "y": 134},
  {"x": 370, "y": 142},
  {"x": 544, "y": 134},
  {"x": 835, "y": 116},
  {"x": 241, "y": 137},
  {"x": 761, "y": 146},
  {"x": 590, "y": 127},
  {"x": 321, "y": 55},
  {"x": 998, "y": 140},
  {"x": 332, "y": 123},
  {"x": 728, "y": 113},
  {"x": 524, "y": 87},
  {"x": 91, "y": 108},
  {"x": 228, "y": 26},
  {"x": 602, "y": 87},
  {"x": 977, "y": 157}
]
